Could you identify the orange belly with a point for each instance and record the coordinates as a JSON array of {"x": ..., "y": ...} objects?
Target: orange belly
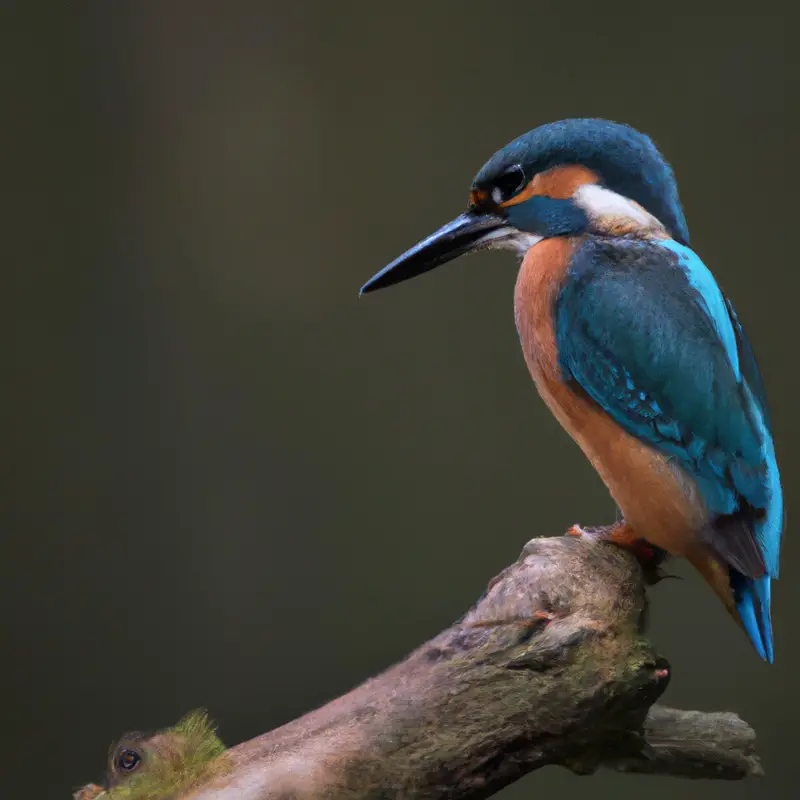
[{"x": 655, "y": 496}]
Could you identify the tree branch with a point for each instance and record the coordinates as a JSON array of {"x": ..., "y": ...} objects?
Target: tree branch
[
  {"x": 694, "y": 744},
  {"x": 549, "y": 667}
]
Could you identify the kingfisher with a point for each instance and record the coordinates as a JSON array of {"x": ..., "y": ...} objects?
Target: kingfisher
[{"x": 633, "y": 347}]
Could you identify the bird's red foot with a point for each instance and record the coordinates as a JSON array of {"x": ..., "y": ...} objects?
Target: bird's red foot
[{"x": 622, "y": 535}]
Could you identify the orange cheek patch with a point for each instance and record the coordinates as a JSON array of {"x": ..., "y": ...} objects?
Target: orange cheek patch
[{"x": 560, "y": 183}]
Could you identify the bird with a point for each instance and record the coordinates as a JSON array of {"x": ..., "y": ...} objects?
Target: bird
[{"x": 633, "y": 347}]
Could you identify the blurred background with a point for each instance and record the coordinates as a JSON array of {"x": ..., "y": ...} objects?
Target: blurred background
[{"x": 228, "y": 482}]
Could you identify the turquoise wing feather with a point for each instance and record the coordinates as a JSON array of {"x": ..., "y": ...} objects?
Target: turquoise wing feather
[{"x": 645, "y": 331}]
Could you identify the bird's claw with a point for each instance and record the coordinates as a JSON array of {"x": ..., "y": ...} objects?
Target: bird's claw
[{"x": 623, "y": 535}]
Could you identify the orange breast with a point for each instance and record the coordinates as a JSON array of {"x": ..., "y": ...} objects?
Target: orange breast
[{"x": 656, "y": 497}]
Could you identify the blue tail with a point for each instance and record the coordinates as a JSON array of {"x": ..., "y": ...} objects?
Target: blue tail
[{"x": 752, "y": 598}]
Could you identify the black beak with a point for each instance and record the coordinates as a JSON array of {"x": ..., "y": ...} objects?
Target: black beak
[{"x": 465, "y": 234}]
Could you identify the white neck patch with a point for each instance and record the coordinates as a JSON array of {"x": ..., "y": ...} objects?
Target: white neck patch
[{"x": 607, "y": 208}]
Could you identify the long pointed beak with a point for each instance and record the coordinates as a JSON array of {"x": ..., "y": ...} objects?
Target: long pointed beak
[{"x": 465, "y": 234}]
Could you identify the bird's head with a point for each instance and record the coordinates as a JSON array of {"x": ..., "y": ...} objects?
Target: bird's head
[{"x": 557, "y": 180}]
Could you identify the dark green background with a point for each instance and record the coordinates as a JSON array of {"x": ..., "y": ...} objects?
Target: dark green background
[{"x": 230, "y": 482}]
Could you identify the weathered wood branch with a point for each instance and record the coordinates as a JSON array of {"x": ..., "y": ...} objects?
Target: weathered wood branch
[{"x": 549, "y": 667}]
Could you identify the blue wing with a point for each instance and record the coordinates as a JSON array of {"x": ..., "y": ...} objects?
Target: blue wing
[{"x": 646, "y": 332}]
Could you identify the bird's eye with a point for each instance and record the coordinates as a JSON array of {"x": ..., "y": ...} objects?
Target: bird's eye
[
  {"x": 128, "y": 759},
  {"x": 508, "y": 184}
]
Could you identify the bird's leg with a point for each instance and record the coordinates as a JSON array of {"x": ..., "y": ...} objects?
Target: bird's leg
[
  {"x": 620, "y": 533},
  {"x": 623, "y": 535}
]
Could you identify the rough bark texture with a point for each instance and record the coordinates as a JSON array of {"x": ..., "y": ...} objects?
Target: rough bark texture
[{"x": 549, "y": 667}]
